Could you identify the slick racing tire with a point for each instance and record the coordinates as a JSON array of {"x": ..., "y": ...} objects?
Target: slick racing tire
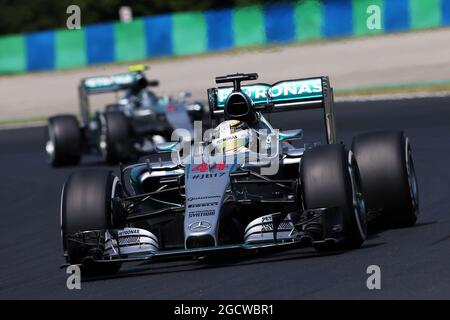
[
  {"x": 115, "y": 137},
  {"x": 329, "y": 179},
  {"x": 63, "y": 146},
  {"x": 388, "y": 177},
  {"x": 86, "y": 214}
]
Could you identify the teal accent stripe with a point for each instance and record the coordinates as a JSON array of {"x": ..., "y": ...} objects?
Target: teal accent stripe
[
  {"x": 368, "y": 17},
  {"x": 189, "y": 33},
  {"x": 70, "y": 49},
  {"x": 13, "y": 56},
  {"x": 425, "y": 13},
  {"x": 309, "y": 19},
  {"x": 248, "y": 26},
  {"x": 130, "y": 41}
]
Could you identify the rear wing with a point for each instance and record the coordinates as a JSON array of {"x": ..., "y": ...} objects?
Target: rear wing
[
  {"x": 115, "y": 82},
  {"x": 107, "y": 84},
  {"x": 298, "y": 94}
]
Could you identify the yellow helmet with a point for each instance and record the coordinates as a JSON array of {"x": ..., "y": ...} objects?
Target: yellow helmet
[
  {"x": 231, "y": 135},
  {"x": 138, "y": 68}
]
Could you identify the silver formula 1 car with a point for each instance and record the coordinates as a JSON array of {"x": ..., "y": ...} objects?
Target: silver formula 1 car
[
  {"x": 243, "y": 187},
  {"x": 124, "y": 130}
]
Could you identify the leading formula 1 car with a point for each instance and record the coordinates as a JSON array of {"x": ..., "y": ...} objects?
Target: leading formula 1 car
[
  {"x": 125, "y": 129},
  {"x": 224, "y": 196}
]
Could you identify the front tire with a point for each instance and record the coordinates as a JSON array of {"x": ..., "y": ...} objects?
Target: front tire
[
  {"x": 86, "y": 214},
  {"x": 115, "y": 137},
  {"x": 388, "y": 177},
  {"x": 329, "y": 178}
]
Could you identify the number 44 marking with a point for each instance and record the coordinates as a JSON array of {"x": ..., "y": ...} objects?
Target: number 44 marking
[{"x": 204, "y": 167}]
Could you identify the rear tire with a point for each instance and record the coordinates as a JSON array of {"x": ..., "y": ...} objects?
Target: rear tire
[
  {"x": 329, "y": 178},
  {"x": 115, "y": 137},
  {"x": 388, "y": 177},
  {"x": 63, "y": 146},
  {"x": 86, "y": 209}
]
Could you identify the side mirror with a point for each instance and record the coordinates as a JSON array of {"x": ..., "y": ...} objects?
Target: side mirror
[{"x": 288, "y": 135}]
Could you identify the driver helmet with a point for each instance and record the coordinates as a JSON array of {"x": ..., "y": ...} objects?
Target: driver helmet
[{"x": 231, "y": 136}]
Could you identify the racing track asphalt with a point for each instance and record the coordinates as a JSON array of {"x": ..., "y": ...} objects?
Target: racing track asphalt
[{"x": 414, "y": 262}]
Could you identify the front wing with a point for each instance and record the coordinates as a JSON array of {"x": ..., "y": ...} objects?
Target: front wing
[{"x": 218, "y": 251}]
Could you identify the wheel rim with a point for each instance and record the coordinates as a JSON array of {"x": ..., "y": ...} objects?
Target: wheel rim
[{"x": 412, "y": 180}]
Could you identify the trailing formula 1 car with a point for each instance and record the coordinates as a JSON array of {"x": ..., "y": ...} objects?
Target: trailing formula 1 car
[
  {"x": 125, "y": 129},
  {"x": 245, "y": 187}
]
